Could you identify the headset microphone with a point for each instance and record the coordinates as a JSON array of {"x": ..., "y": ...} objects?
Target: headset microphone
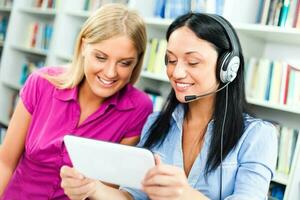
[{"x": 190, "y": 98}]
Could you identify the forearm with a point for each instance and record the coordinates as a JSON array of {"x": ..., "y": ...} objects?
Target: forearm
[
  {"x": 195, "y": 194},
  {"x": 105, "y": 192},
  {"x": 5, "y": 176}
]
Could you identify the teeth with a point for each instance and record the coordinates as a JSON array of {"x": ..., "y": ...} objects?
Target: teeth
[
  {"x": 183, "y": 85},
  {"x": 105, "y": 81}
]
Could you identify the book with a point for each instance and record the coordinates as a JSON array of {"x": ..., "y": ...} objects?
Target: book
[
  {"x": 284, "y": 13},
  {"x": 272, "y": 11},
  {"x": 292, "y": 13},
  {"x": 264, "y": 12},
  {"x": 159, "y": 63},
  {"x": 276, "y": 82},
  {"x": 153, "y": 50}
]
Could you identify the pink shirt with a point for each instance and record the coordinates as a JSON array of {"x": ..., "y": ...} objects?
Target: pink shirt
[{"x": 56, "y": 113}]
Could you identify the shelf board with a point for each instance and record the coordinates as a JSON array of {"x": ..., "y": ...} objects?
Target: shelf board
[
  {"x": 66, "y": 57},
  {"x": 5, "y": 8},
  {"x": 158, "y": 21},
  {"x": 4, "y": 123},
  {"x": 273, "y": 105},
  {"x": 12, "y": 85},
  {"x": 39, "y": 11},
  {"x": 263, "y": 32},
  {"x": 79, "y": 13},
  {"x": 270, "y": 33},
  {"x": 281, "y": 178},
  {"x": 154, "y": 76},
  {"x": 36, "y": 51}
]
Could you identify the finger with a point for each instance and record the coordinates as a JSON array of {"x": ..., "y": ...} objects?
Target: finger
[
  {"x": 163, "y": 170},
  {"x": 66, "y": 171},
  {"x": 73, "y": 182},
  {"x": 156, "y": 192},
  {"x": 165, "y": 180},
  {"x": 157, "y": 159},
  {"x": 83, "y": 191}
]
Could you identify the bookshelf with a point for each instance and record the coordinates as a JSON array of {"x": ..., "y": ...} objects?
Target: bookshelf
[
  {"x": 67, "y": 17},
  {"x": 5, "y": 11}
]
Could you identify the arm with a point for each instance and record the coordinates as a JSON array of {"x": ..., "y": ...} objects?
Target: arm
[
  {"x": 13, "y": 145},
  {"x": 166, "y": 182},
  {"x": 78, "y": 187},
  {"x": 257, "y": 158}
]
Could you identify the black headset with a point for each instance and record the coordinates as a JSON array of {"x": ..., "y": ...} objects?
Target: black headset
[{"x": 229, "y": 62}]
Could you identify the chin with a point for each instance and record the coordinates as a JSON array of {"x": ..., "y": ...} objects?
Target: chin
[{"x": 180, "y": 98}]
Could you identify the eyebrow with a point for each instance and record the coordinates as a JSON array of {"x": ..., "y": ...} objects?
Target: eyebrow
[
  {"x": 187, "y": 53},
  {"x": 129, "y": 58}
]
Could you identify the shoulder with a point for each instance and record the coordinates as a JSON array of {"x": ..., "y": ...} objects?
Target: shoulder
[
  {"x": 38, "y": 82},
  {"x": 41, "y": 74},
  {"x": 52, "y": 70},
  {"x": 256, "y": 127},
  {"x": 259, "y": 136}
]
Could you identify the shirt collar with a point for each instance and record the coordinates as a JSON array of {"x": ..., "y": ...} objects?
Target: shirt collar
[
  {"x": 178, "y": 117},
  {"x": 120, "y": 100},
  {"x": 66, "y": 94}
]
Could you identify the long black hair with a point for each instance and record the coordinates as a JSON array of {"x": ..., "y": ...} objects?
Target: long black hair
[{"x": 210, "y": 30}]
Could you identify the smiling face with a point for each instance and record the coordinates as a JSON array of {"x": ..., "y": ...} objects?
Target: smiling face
[
  {"x": 191, "y": 65},
  {"x": 108, "y": 65}
]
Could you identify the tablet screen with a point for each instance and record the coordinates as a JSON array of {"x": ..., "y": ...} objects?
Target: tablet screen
[{"x": 109, "y": 162}]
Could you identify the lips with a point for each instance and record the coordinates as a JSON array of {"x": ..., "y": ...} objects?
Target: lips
[
  {"x": 182, "y": 86},
  {"x": 106, "y": 83}
]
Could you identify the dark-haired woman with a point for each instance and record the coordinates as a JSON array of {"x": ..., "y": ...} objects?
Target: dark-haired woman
[{"x": 207, "y": 146}]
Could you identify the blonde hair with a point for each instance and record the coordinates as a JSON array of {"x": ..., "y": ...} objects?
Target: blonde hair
[{"x": 108, "y": 21}]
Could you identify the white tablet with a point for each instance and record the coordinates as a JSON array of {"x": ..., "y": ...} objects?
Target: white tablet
[{"x": 109, "y": 162}]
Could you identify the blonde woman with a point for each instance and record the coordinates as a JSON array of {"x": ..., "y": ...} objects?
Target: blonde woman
[{"x": 93, "y": 97}]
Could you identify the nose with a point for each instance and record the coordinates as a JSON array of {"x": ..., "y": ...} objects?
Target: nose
[
  {"x": 179, "y": 71},
  {"x": 110, "y": 70}
]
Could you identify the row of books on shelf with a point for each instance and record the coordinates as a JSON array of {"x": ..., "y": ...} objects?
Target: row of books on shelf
[
  {"x": 39, "y": 35},
  {"x": 92, "y": 5},
  {"x": 29, "y": 67},
  {"x": 272, "y": 80},
  {"x": 45, "y": 4},
  {"x": 285, "y": 13},
  {"x": 6, "y": 3},
  {"x": 3, "y": 27},
  {"x": 287, "y": 140},
  {"x": 173, "y": 8},
  {"x": 2, "y": 134}
]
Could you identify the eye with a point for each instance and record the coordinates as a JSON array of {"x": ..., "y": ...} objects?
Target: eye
[
  {"x": 100, "y": 58},
  {"x": 171, "y": 61},
  {"x": 193, "y": 63},
  {"x": 126, "y": 63}
]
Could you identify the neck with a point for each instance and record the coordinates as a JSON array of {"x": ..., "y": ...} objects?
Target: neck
[
  {"x": 201, "y": 110},
  {"x": 86, "y": 95}
]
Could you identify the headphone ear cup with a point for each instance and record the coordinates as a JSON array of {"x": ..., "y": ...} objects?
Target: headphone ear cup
[
  {"x": 223, "y": 65},
  {"x": 229, "y": 67}
]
